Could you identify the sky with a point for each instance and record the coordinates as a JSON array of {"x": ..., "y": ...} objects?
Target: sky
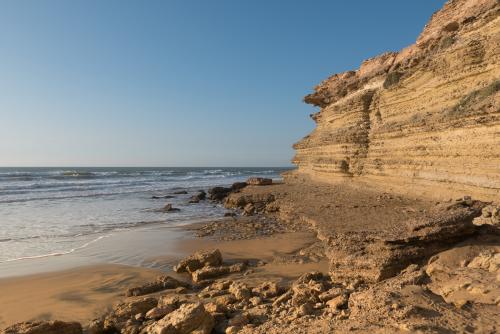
[{"x": 179, "y": 82}]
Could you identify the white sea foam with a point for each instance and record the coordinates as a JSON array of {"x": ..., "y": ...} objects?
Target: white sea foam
[{"x": 72, "y": 250}]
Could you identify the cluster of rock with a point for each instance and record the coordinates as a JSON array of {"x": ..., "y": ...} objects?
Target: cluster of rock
[
  {"x": 217, "y": 194},
  {"x": 226, "y": 307}
]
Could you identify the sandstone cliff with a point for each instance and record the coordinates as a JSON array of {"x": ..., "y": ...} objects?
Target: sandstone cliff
[{"x": 425, "y": 119}]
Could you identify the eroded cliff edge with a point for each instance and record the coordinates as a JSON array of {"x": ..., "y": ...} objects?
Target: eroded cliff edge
[{"x": 425, "y": 119}]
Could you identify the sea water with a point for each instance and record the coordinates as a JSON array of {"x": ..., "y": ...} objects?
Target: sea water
[{"x": 55, "y": 211}]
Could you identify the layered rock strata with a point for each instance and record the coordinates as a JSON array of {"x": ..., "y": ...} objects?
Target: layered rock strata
[{"x": 425, "y": 119}]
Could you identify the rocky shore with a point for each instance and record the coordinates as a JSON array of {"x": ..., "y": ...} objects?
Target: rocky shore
[
  {"x": 395, "y": 199},
  {"x": 423, "y": 266}
]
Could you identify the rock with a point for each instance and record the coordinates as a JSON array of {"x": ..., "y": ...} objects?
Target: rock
[
  {"x": 221, "y": 285},
  {"x": 283, "y": 298},
  {"x": 225, "y": 300},
  {"x": 201, "y": 195},
  {"x": 490, "y": 216},
  {"x": 237, "y": 267},
  {"x": 161, "y": 283},
  {"x": 127, "y": 310},
  {"x": 209, "y": 272},
  {"x": 173, "y": 300},
  {"x": 338, "y": 302},
  {"x": 159, "y": 312},
  {"x": 240, "y": 291},
  {"x": 181, "y": 290},
  {"x": 249, "y": 209},
  {"x": 215, "y": 308},
  {"x": 206, "y": 273},
  {"x": 189, "y": 318},
  {"x": 199, "y": 260},
  {"x": 218, "y": 193},
  {"x": 232, "y": 329},
  {"x": 180, "y": 192},
  {"x": 307, "y": 288},
  {"x": 239, "y": 320},
  {"x": 267, "y": 290},
  {"x": 95, "y": 326},
  {"x": 165, "y": 196},
  {"x": 238, "y": 186},
  {"x": 305, "y": 309},
  {"x": 169, "y": 208},
  {"x": 45, "y": 327},
  {"x": 452, "y": 26},
  {"x": 259, "y": 181},
  {"x": 255, "y": 301},
  {"x": 330, "y": 294}
]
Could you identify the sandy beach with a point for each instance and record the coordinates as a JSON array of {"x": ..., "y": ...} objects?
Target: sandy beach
[{"x": 85, "y": 292}]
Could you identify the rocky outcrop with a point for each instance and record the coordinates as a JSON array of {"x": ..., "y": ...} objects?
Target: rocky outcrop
[{"x": 425, "y": 119}]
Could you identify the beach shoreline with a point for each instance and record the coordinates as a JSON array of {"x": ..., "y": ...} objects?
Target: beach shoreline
[{"x": 85, "y": 290}]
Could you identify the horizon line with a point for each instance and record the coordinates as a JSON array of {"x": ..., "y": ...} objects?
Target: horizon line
[{"x": 70, "y": 166}]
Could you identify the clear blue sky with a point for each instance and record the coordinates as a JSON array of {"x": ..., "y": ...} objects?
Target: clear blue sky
[{"x": 179, "y": 82}]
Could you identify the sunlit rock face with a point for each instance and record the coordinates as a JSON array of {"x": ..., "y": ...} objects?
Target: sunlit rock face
[{"x": 424, "y": 120}]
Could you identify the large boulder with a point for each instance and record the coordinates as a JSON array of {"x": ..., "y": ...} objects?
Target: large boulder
[
  {"x": 189, "y": 318},
  {"x": 199, "y": 260},
  {"x": 45, "y": 327}
]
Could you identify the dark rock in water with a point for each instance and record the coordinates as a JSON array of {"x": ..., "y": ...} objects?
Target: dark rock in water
[
  {"x": 201, "y": 195},
  {"x": 45, "y": 327},
  {"x": 259, "y": 181},
  {"x": 180, "y": 192},
  {"x": 218, "y": 193},
  {"x": 165, "y": 196},
  {"x": 169, "y": 208},
  {"x": 161, "y": 283},
  {"x": 229, "y": 214}
]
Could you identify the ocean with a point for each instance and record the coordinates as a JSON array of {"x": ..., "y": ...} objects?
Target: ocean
[{"x": 55, "y": 211}]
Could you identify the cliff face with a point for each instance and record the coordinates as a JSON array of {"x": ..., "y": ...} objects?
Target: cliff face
[{"x": 425, "y": 119}]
